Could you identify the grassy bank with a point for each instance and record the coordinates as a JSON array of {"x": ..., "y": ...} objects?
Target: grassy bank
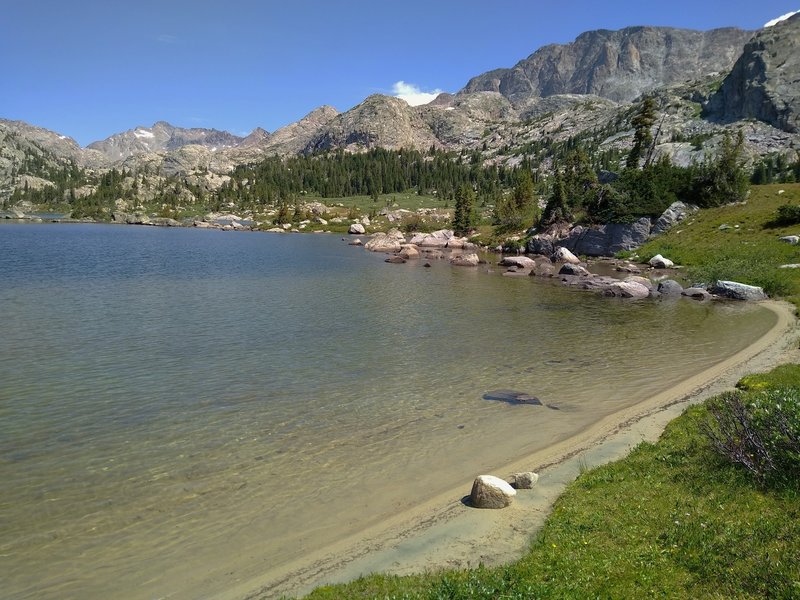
[
  {"x": 673, "y": 519},
  {"x": 737, "y": 242}
]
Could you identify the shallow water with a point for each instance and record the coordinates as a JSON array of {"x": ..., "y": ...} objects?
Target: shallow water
[{"x": 182, "y": 409}]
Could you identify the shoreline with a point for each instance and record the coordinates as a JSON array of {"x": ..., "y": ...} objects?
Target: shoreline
[{"x": 443, "y": 532}]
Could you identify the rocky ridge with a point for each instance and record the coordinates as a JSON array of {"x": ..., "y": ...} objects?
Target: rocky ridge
[
  {"x": 560, "y": 92},
  {"x": 618, "y": 65}
]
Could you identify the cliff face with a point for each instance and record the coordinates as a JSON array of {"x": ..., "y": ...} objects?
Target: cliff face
[
  {"x": 764, "y": 84},
  {"x": 618, "y": 65}
]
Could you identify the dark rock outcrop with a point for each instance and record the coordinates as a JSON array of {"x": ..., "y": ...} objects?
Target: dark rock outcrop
[
  {"x": 608, "y": 239},
  {"x": 763, "y": 83}
]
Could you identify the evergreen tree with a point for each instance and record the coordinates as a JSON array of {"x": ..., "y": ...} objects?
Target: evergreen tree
[
  {"x": 642, "y": 137},
  {"x": 557, "y": 210},
  {"x": 464, "y": 214}
]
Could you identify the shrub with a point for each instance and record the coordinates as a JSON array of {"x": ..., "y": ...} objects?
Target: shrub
[
  {"x": 759, "y": 431},
  {"x": 788, "y": 214}
]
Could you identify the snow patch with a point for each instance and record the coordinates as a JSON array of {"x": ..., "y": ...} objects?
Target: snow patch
[
  {"x": 62, "y": 137},
  {"x": 143, "y": 133},
  {"x": 450, "y": 108},
  {"x": 779, "y": 19}
]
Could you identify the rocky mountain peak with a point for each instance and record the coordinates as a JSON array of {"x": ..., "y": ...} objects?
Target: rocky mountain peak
[
  {"x": 618, "y": 65},
  {"x": 379, "y": 121},
  {"x": 763, "y": 83},
  {"x": 257, "y": 137},
  {"x": 162, "y": 136}
]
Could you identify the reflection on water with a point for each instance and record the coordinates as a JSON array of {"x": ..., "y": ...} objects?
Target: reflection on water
[{"x": 183, "y": 409}]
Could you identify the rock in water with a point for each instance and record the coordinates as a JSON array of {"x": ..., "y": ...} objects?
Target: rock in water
[
  {"x": 738, "y": 291},
  {"x": 523, "y": 481},
  {"x": 512, "y": 397},
  {"x": 467, "y": 260},
  {"x": 561, "y": 254},
  {"x": 489, "y": 491}
]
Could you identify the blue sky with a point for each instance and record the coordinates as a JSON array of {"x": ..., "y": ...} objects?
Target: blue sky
[{"x": 90, "y": 68}]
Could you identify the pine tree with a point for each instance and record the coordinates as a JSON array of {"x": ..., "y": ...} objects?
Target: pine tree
[
  {"x": 464, "y": 214},
  {"x": 642, "y": 137}
]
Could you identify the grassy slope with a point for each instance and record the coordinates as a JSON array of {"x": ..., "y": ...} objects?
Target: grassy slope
[
  {"x": 749, "y": 251},
  {"x": 671, "y": 520}
]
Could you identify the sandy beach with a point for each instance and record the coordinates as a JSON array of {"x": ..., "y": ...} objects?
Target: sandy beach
[{"x": 445, "y": 533}]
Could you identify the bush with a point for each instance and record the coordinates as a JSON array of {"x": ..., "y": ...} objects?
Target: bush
[
  {"x": 788, "y": 214},
  {"x": 759, "y": 431}
]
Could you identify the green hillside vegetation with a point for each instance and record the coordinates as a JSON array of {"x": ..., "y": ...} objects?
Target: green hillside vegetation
[
  {"x": 674, "y": 519},
  {"x": 738, "y": 242}
]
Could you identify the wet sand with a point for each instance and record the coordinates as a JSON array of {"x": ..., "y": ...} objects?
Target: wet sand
[{"x": 445, "y": 533}]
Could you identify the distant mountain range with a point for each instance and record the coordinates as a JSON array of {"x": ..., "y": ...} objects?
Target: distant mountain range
[{"x": 704, "y": 83}]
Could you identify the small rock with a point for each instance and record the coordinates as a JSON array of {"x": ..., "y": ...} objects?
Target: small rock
[
  {"x": 356, "y": 242},
  {"x": 409, "y": 251},
  {"x": 396, "y": 260},
  {"x": 659, "y": 262},
  {"x": 489, "y": 491},
  {"x": 791, "y": 239},
  {"x": 357, "y": 229},
  {"x": 670, "y": 287},
  {"x": 570, "y": 269},
  {"x": 466, "y": 260},
  {"x": 523, "y": 481},
  {"x": 629, "y": 289},
  {"x": 518, "y": 261},
  {"x": 696, "y": 293},
  {"x": 563, "y": 255}
]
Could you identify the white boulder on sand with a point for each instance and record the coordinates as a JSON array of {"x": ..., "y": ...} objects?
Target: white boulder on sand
[
  {"x": 489, "y": 491},
  {"x": 524, "y": 481}
]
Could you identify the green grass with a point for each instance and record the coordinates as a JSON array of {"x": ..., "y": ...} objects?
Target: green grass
[
  {"x": 782, "y": 376},
  {"x": 748, "y": 250},
  {"x": 672, "y": 520}
]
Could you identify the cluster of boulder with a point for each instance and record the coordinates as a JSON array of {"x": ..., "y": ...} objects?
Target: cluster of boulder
[
  {"x": 609, "y": 239},
  {"x": 489, "y": 491},
  {"x": 564, "y": 265},
  {"x": 436, "y": 245}
]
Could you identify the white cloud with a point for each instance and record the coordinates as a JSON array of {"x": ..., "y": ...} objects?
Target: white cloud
[
  {"x": 167, "y": 38},
  {"x": 781, "y": 18},
  {"x": 413, "y": 94}
]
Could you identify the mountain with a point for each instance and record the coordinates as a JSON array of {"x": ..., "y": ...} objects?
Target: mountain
[
  {"x": 162, "y": 137},
  {"x": 294, "y": 138},
  {"x": 383, "y": 121},
  {"x": 618, "y": 65},
  {"x": 764, "y": 84}
]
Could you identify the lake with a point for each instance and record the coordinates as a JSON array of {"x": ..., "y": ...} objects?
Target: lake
[{"x": 184, "y": 409}]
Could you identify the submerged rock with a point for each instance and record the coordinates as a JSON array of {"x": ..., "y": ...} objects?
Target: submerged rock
[
  {"x": 696, "y": 293},
  {"x": 670, "y": 287},
  {"x": 489, "y": 491},
  {"x": 467, "y": 260},
  {"x": 518, "y": 261}
]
